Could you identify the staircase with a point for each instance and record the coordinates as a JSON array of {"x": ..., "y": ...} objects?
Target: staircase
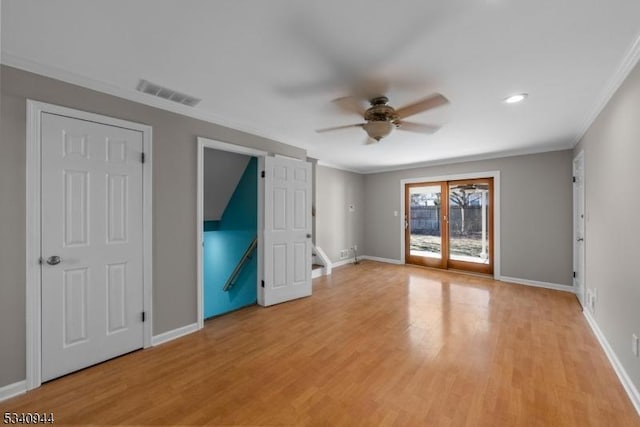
[{"x": 319, "y": 266}]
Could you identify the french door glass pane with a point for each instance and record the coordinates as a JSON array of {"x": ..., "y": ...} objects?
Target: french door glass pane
[
  {"x": 469, "y": 222},
  {"x": 424, "y": 221}
]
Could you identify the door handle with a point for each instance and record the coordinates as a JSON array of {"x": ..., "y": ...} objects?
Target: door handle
[
  {"x": 54, "y": 260},
  {"x": 580, "y": 239},
  {"x": 308, "y": 236}
]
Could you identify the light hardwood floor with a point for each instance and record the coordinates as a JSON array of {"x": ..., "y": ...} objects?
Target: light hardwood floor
[{"x": 376, "y": 344}]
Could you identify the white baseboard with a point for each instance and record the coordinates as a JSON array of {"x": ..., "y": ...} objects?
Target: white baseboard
[
  {"x": 12, "y": 390},
  {"x": 537, "y": 284},
  {"x": 628, "y": 385},
  {"x": 342, "y": 262},
  {"x": 174, "y": 334},
  {"x": 318, "y": 272},
  {"x": 387, "y": 260}
]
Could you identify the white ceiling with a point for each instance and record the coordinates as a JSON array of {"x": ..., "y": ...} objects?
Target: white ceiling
[{"x": 273, "y": 67}]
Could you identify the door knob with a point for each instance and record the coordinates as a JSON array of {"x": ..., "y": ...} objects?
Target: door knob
[
  {"x": 308, "y": 236},
  {"x": 54, "y": 260}
]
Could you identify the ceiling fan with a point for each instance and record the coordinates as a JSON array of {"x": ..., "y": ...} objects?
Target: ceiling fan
[{"x": 380, "y": 118}]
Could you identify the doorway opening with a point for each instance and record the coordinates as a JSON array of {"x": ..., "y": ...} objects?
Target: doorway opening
[
  {"x": 229, "y": 211},
  {"x": 230, "y": 232},
  {"x": 449, "y": 223}
]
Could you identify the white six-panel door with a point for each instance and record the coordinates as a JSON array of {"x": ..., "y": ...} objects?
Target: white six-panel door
[
  {"x": 578, "y": 228},
  {"x": 287, "y": 230},
  {"x": 92, "y": 294}
]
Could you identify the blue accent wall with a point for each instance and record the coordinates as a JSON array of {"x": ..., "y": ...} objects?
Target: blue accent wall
[
  {"x": 211, "y": 225},
  {"x": 224, "y": 247}
]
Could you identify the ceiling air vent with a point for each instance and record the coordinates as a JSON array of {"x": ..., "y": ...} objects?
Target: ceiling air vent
[{"x": 170, "y": 94}]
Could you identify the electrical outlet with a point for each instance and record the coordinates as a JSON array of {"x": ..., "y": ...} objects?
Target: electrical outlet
[
  {"x": 634, "y": 345},
  {"x": 592, "y": 296},
  {"x": 594, "y": 299}
]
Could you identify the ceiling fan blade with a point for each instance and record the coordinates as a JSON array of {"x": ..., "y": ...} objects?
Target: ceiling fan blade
[
  {"x": 349, "y": 104},
  {"x": 425, "y": 104},
  {"x": 418, "y": 127},
  {"x": 359, "y": 125}
]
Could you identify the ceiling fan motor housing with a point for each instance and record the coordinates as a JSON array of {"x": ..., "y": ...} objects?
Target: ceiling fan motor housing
[{"x": 380, "y": 111}]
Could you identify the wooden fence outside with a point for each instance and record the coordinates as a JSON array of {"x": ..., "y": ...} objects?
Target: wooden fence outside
[{"x": 426, "y": 220}]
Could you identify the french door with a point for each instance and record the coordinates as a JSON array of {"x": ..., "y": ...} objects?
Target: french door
[{"x": 449, "y": 224}]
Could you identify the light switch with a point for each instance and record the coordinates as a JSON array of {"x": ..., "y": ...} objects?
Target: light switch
[{"x": 395, "y": 213}]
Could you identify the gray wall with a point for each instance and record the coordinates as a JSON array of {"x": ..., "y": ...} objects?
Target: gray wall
[
  {"x": 536, "y": 213},
  {"x": 174, "y": 201},
  {"x": 336, "y": 227},
  {"x": 222, "y": 172},
  {"x": 612, "y": 155}
]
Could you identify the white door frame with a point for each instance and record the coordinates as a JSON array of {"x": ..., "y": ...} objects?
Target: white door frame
[
  {"x": 239, "y": 149},
  {"x": 496, "y": 209},
  {"x": 576, "y": 251},
  {"x": 33, "y": 242}
]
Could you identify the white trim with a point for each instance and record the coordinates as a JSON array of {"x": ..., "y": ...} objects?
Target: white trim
[
  {"x": 33, "y": 279},
  {"x": 625, "y": 67},
  {"x": 536, "y": 283},
  {"x": 239, "y": 149},
  {"x": 342, "y": 262},
  {"x": 147, "y": 232},
  {"x": 579, "y": 193},
  {"x": 174, "y": 334},
  {"x": 33, "y": 238},
  {"x": 233, "y": 148},
  {"x": 379, "y": 259},
  {"x": 200, "y": 235},
  {"x": 324, "y": 259},
  {"x": 474, "y": 158},
  {"x": 35, "y": 67},
  {"x": 261, "y": 204},
  {"x": 12, "y": 390},
  {"x": 454, "y": 177},
  {"x": 341, "y": 168},
  {"x": 628, "y": 385},
  {"x": 318, "y": 272}
]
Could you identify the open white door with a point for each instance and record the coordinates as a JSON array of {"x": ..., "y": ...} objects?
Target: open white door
[
  {"x": 287, "y": 230},
  {"x": 578, "y": 228}
]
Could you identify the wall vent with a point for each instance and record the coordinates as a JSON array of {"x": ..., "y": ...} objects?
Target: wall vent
[{"x": 170, "y": 94}]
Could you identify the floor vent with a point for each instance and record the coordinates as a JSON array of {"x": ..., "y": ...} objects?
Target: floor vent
[{"x": 163, "y": 92}]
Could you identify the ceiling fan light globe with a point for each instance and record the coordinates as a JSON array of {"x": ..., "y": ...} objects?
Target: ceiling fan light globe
[{"x": 378, "y": 129}]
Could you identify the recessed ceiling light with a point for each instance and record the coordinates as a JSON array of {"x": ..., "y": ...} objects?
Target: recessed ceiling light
[{"x": 515, "y": 98}]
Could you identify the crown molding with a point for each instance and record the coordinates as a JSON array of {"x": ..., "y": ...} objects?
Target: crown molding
[
  {"x": 341, "y": 168},
  {"x": 15, "y": 61},
  {"x": 488, "y": 156},
  {"x": 629, "y": 61}
]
